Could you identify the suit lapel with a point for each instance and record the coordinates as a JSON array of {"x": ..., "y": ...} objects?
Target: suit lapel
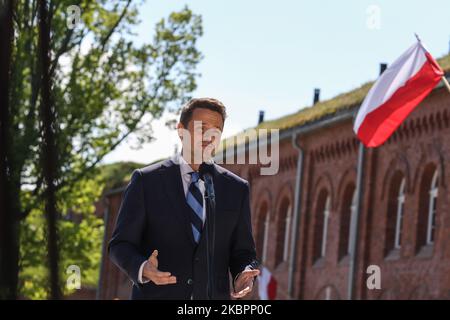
[
  {"x": 174, "y": 189},
  {"x": 218, "y": 189}
]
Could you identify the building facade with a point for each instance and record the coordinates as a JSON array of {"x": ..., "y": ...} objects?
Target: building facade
[{"x": 304, "y": 215}]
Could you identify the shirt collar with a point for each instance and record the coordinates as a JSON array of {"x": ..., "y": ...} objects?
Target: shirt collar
[{"x": 185, "y": 168}]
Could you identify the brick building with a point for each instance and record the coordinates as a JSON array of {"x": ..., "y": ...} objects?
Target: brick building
[{"x": 303, "y": 217}]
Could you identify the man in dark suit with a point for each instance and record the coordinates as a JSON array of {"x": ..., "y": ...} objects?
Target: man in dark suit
[{"x": 159, "y": 241}]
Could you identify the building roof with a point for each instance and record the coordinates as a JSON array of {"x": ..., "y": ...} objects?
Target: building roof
[{"x": 321, "y": 109}]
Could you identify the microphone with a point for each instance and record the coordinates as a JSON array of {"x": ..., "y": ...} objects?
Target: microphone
[{"x": 206, "y": 172}]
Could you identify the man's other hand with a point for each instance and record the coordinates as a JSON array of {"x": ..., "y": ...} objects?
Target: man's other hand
[
  {"x": 244, "y": 283},
  {"x": 152, "y": 273}
]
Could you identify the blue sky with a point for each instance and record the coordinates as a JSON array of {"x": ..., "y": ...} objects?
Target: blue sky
[{"x": 270, "y": 55}]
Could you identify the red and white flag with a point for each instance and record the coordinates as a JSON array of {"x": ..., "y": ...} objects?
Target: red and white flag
[
  {"x": 395, "y": 95},
  {"x": 267, "y": 285}
]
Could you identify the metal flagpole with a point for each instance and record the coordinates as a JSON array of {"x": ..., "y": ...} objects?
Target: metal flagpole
[
  {"x": 446, "y": 82},
  {"x": 443, "y": 77}
]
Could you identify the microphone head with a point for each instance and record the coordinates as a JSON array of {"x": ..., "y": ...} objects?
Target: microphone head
[{"x": 206, "y": 168}]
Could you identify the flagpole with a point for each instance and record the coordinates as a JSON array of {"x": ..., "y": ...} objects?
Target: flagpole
[
  {"x": 443, "y": 77},
  {"x": 446, "y": 82},
  {"x": 447, "y": 85},
  {"x": 417, "y": 37}
]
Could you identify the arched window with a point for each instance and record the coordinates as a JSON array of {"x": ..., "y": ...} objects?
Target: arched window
[
  {"x": 327, "y": 293},
  {"x": 347, "y": 212},
  {"x": 287, "y": 234},
  {"x": 321, "y": 225},
  {"x": 395, "y": 211},
  {"x": 433, "y": 194},
  {"x": 266, "y": 238},
  {"x": 326, "y": 218},
  {"x": 283, "y": 231},
  {"x": 262, "y": 231},
  {"x": 426, "y": 224},
  {"x": 399, "y": 220}
]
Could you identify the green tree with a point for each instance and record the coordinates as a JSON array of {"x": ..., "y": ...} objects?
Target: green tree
[
  {"x": 49, "y": 156},
  {"x": 80, "y": 235},
  {"x": 105, "y": 90},
  {"x": 80, "y": 232}
]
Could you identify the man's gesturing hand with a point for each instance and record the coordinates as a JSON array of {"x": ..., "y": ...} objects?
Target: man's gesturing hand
[
  {"x": 152, "y": 273},
  {"x": 244, "y": 283}
]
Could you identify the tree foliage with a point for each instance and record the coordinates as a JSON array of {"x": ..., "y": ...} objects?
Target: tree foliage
[{"x": 106, "y": 90}]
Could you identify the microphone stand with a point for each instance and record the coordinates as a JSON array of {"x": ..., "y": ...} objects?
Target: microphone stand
[{"x": 210, "y": 201}]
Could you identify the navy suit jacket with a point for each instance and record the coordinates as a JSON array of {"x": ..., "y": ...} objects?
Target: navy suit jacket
[{"x": 154, "y": 215}]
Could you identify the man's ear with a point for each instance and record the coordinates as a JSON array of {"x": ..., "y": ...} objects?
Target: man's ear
[{"x": 180, "y": 129}]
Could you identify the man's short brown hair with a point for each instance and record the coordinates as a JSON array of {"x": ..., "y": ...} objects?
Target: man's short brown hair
[{"x": 205, "y": 103}]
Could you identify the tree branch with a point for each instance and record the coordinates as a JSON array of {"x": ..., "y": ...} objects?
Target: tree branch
[
  {"x": 121, "y": 139},
  {"x": 64, "y": 46},
  {"x": 111, "y": 31}
]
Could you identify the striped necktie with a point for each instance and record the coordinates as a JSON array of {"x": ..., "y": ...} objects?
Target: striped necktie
[{"x": 195, "y": 201}]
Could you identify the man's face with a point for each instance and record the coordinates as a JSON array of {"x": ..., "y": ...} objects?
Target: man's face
[{"x": 202, "y": 135}]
